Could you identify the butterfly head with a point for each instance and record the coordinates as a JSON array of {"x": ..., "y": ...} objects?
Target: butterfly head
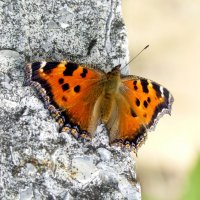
[
  {"x": 115, "y": 71},
  {"x": 117, "y": 68}
]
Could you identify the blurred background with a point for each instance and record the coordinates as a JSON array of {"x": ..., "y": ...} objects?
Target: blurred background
[{"x": 168, "y": 165}]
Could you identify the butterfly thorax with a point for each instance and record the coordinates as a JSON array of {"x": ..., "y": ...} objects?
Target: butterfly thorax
[{"x": 107, "y": 99}]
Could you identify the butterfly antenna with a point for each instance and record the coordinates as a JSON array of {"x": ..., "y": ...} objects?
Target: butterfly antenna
[{"x": 136, "y": 55}]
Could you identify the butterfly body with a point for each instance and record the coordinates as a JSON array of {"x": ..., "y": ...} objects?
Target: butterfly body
[
  {"x": 110, "y": 85},
  {"x": 82, "y": 97}
]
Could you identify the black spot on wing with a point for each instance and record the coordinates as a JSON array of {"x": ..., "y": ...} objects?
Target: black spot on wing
[
  {"x": 145, "y": 115},
  {"x": 35, "y": 66},
  {"x": 133, "y": 113},
  {"x": 135, "y": 87},
  {"x": 134, "y": 82},
  {"x": 156, "y": 87},
  {"x": 70, "y": 68},
  {"x": 77, "y": 88},
  {"x": 83, "y": 74},
  {"x": 137, "y": 102},
  {"x": 49, "y": 66},
  {"x": 65, "y": 86},
  {"x": 149, "y": 99},
  {"x": 61, "y": 80},
  {"x": 145, "y": 84},
  {"x": 145, "y": 104}
]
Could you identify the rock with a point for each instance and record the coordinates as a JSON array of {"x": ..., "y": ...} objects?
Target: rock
[{"x": 37, "y": 162}]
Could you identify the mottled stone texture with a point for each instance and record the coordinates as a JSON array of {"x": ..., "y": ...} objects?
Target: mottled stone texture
[{"x": 37, "y": 162}]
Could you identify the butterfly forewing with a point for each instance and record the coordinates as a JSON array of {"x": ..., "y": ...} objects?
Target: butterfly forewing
[{"x": 71, "y": 88}]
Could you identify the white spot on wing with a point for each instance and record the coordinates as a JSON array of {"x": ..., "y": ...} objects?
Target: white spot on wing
[
  {"x": 161, "y": 90},
  {"x": 43, "y": 63}
]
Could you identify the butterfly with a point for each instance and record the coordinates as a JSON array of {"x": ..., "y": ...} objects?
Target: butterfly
[{"x": 82, "y": 97}]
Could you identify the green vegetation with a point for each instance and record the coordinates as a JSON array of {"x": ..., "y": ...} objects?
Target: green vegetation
[{"x": 191, "y": 191}]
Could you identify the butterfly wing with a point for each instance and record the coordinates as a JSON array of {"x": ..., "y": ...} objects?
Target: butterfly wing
[
  {"x": 139, "y": 104},
  {"x": 69, "y": 90}
]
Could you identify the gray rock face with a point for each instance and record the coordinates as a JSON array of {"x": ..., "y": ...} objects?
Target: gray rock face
[{"x": 37, "y": 162}]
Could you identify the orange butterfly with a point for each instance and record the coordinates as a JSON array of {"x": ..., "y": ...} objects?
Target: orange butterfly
[{"x": 81, "y": 97}]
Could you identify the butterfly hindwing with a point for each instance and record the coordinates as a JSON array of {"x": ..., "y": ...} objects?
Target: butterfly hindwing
[
  {"x": 63, "y": 85},
  {"x": 141, "y": 103}
]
